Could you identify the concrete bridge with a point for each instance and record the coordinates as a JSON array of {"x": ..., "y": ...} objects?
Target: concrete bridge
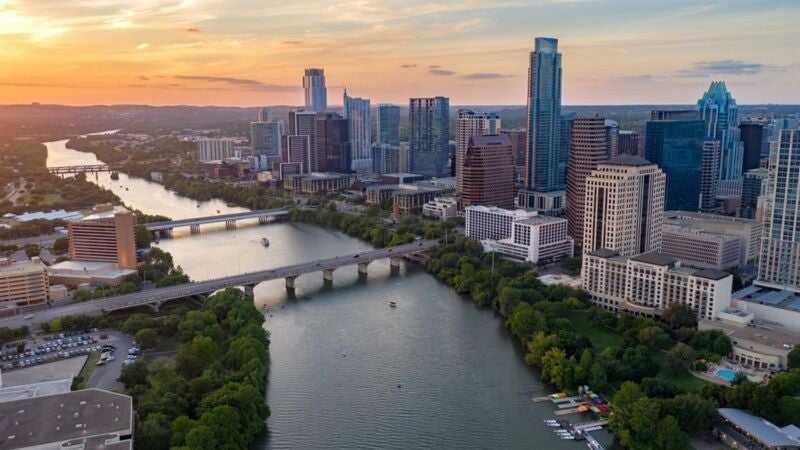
[
  {"x": 86, "y": 168},
  {"x": 154, "y": 298},
  {"x": 263, "y": 216}
]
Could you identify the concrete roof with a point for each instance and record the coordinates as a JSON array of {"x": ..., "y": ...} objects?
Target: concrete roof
[
  {"x": 627, "y": 160},
  {"x": 604, "y": 253},
  {"x": 779, "y": 339},
  {"x": 489, "y": 139},
  {"x": 21, "y": 268},
  {"x": 654, "y": 258},
  {"x": 711, "y": 274},
  {"x": 760, "y": 429},
  {"x": 64, "y": 417}
]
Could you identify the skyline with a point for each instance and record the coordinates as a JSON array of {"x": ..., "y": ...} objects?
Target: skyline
[{"x": 245, "y": 53}]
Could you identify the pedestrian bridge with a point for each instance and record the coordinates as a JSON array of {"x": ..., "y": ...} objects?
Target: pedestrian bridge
[
  {"x": 86, "y": 168},
  {"x": 263, "y": 216}
]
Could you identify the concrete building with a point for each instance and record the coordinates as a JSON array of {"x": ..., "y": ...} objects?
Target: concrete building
[
  {"x": 753, "y": 185},
  {"x": 298, "y": 147},
  {"x": 215, "y": 149},
  {"x": 740, "y": 430},
  {"x": 624, "y": 206},
  {"x": 318, "y": 182},
  {"x": 589, "y": 148},
  {"x": 747, "y": 231},
  {"x": 770, "y": 307},
  {"x": 22, "y": 284},
  {"x": 470, "y": 124},
  {"x": 387, "y": 124},
  {"x": 629, "y": 143},
  {"x": 357, "y": 113},
  {"x": 410, "y": 198},
  {"x": 303, "y": 123},
  {"x": 519, "y": 148},
  {"x": 105, "y": 236},
  {"x": 709, "y": 176},
  {"x": 754, "y": 344},
  {"x": 429, "y": 137},
  {"x": 385, "y": 158},
  {"x": 266, "y": 138},
  {"x": 89, "y": 419},
  {"x": 316, "y": 93},
  {"x": 441, "y": 208},
  {"x": 649, "y": 283},
  {"x": 779, "y": 265},
  {"x": 538, "y": 239},
  {"x": 484, "y": 222},
  {"x": 332, "y": 146},
  {"x": 487, "y": 172}
]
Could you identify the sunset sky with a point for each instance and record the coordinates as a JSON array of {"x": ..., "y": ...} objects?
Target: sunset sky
[{"x": 252, "y": 52}]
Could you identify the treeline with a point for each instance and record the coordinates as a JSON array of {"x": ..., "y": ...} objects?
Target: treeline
[
  {"x": 212, "y": 395},
  {"x": 30, "y": 229},
  {"x": 251, "y": 196}
]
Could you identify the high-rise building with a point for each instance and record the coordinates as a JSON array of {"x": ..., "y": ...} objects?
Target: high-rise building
[
  {"x": 298, "y": 147},
  {"x": 589, "y": 148},
  {"x": 612, "y": 138},
  {"x": 429, "y": 137},
  {"x": 388, "y": 124},
  {"x": 709, "y": 175},
  {"x": 304, "y": 123},
  {"x": 718, "y": 110},
  {"x": 332, "y": 145},
  {"x": 215, "y": 149},
  {"x": 263, "y": 115},
  {"x": 22, "y": 284},
  {"x": 265, "y": 138},
  {"x": 753, "y": 186},
  {"x": 469, "y": 124},
  {"x": 779, "y": 265},
  {"x": 519, "y": 148},
  {"x": 104, "y": 236},
  {"x": 487, "y": 172},
  {"x": 356, "y": 111},
  {"x": 674, "y": 141},
  {"x": 565, "y": 143},
  {"x": 629, "y": 143},
  {"x": 753, "y": 144},
  {"x": 316, "y": 93},
  {"x": 385, "y": 158},
  {"x": 624, "y": 206},
  {"x": 489, "y": 222}
]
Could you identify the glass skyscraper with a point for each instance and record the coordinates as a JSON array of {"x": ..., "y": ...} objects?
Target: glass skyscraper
[
  {"x": 388, "y": 124},
  {"x": 356, "y": 111},
  {"x": 429, "y": 137},
  {"x": 547, "y": 164},
  {"x": 316, "y": 93},
  {"x": 718, "y": 110},
  {"x": 674, "y": 141}
]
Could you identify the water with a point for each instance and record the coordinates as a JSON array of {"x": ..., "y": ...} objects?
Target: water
[{"x": 349, "y": 372}]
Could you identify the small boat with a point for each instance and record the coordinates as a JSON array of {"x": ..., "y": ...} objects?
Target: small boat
[
  {"x": 393, "y": 304},
  {"x": 265, "y": 242}
]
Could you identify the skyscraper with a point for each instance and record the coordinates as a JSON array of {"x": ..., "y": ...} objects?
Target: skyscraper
[
  {"x": 519, "y": 148},
  {"x": 779, "y": 265},
  {"x": 718, "y": 110},
  {"x": 752, "y": 134},
  {"x": 356, "y": 111},
  {"x": 429, "y": 140},
  {"x": 629, "y": 143},
  {"x": 674, "y": 141},
  {"x": 469, "y": 124},
  {"x": 624, "y": 206},
  {"x": 316, "y": 93},
  {"x": 263, "y": 115},
  {"x": 487, "y": 172},
  {"x": 265, "y": 138},
  {"x": 388, "y": 124},
  {"x": 612, "y": 138},
  {"x": 589, "y": 148},
  {"x": 709, "y": 175},
  {"x": 303, "y": 123},
  {"x": 332, "y": 145},
  {"x": 753, "y": 186}
]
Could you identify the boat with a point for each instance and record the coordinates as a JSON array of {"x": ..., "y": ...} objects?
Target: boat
[
  {"x": 265, "y": 242},
  {"x": 393, "y": 304},
  {"x": 115, "y": 175}
]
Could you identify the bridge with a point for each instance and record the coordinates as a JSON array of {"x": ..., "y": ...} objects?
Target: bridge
[
  {"x": 86, "y": 168},
  {"x": 263, "y": 216},
  {"x": 154, "y": 298}
]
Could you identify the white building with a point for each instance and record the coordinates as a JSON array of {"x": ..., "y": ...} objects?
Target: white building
[
  {"x": 356, "y": 111},
  {"x": 215, "y": 149},
  {"x": 489, "y": 222},
  {"x": 537, "y": 239},
  {"x": 442, "y": 208},
  {"x": 648, "y": 284},
  {"x": 470, "y": 124}
]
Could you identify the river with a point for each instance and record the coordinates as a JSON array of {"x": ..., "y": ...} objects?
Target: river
[{"x": 347, "y": 371}]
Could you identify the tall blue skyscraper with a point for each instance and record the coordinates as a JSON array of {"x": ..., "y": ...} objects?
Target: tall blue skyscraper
[
  {"x": 388, "y": 124},
  {"x": 547, "y": 164},
  {"x": 316, "y": 93},
  {"x": 356, "y": 111},
  {"x": 429, "y": 137},
  {"x": 674, "y": 141},
  {"x": 718, "y": 110}
]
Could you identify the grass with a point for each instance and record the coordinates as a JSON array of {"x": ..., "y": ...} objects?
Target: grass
[
  {"x": 82, "y": 380},
  {"x": 600, "y": 337}
]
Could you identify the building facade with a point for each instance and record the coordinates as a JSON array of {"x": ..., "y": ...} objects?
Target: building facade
[
  {"x": 105, "y": 236},
  {"x": 720, "y": 114},
  {"x": 746, "y": 231},
  {"x": 752, "y": 187},
  {"x": 385, "y": 158},
  {"x": 539, "y": 239},
  {"x": 332, "y": 143},
  {"x": 387, "y": 124},
  {"x": 469, "y": 124},
  {"x": 629, "y": 143},
  {"x": 429, "y": 139},
  {"x": 441, "y": 208},
  {"x": 519, "y": 148},
  {"x": 266, "y": 138},
  {"x": 357, "y": 113},
  {"x": 487, "y": 172},
  {"x": 316, "y": 93},
  {"x": 215, "y": 149},
  {"x": 298, "y": 148},
  {"x": 753, "y": 137},
  {"x": 709, "y": 175},
  {"x": 304, "y": 123},
  {"x": 485, "y": 222},
  {"x": 22, "y": 284},
  {"x": 624, "y": 209}
]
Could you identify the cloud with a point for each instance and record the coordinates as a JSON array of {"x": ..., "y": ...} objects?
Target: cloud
[
  {"x": 193, "y": 30},
  {"x": 143, "y": 46},
  {"x": 724, "y": 67},
  {"x": 441, "y": 72},
  {"x": 486, "y": 76},
  {"x": 242, "y": 83},
  {"x": 434, "y": 66},
  {"x": 144, "y": 78},
  {"x": 407, "y": 66},
  {"x": 292, "y": 42}
]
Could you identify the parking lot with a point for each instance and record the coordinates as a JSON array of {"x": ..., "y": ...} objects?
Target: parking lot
[
  {"x": 106, "y": 375},
  {"x": 48, "y": 349}
]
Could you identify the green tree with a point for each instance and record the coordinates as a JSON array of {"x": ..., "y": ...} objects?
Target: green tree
[
  {"x": 142, "y": 237},
  {"x": 525, "y": 321},
  {"x": 154, "y": 432},
  {"x": 147, "y": 338},
  {"x": 794, "y": 358},
  {"x": 61, "y": 246},
  {"x": 32, "y": 250},
  {"x": 670, "y": 436},
  {"x": 679, "y": 358}
]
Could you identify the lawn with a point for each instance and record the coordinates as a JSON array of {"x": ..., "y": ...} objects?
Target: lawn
[
  {"x": 81, "y": 381},
  {"x": 600, "y": 337}
]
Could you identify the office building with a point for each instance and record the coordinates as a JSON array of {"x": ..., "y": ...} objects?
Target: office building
[
  {"x": 385, "y": 158},
  {"x": 719, "y": 112},
  {"x": 357, "y": 113},
  {"x": 519, "y": 148},
  {"x": 316, "y": 93},
  {"x": 629, "y": 143},
  {"x": 589, "y": 148},
  {"x": 318, "y": 182},
  {"x": 298, "y": 148},
  {"x": 565, "y": 141},
  {"x": 538, "y": 239},
  {"x": 649, "y": 283},
  {"x": 469, "y": 124},
  {"x": 441, "y": 208},
  {"x": 489, "y": 222},
  {"x": 698, "y": 248},
  {"x": 487, "y": 172},
  {"x": 624, "y": 209},
  {"x": 753, "y": 139},
  {"x": 779, "y": 265},
  {"x": 215, "y": 149},
  {"x": 753, "y": 185},
  {"x": 331, "y": 144},
  {"x": 612, "y": 138},
  {"x": 265, "y": 138},
  {"x": 387, "y": 124},
  {"x": 104, "y": 236},
  {"x": 304, "y": 123},
  {"x": 22, "y": 283},
  {"x": 674, "y": 141},
  {"x": 709, "y": 177},
  {"x": 746, "y": 231},
  {"x": 263, "y": 114},
  {"x": 410, "y": 198},
  {"x": 429, "y": 138}
]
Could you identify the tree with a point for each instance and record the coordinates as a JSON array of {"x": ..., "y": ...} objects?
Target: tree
[
  {"x": 670, "y": 436},
  {"x": 147, "y": 338},
  {"x": 142, "y": 236},
  {"x": 678, "y": 315},
  {"x": 61, "y": 245},
  {"x": 679, "y": 358},
  {"x": 32, "y": 250},
  {"x": 794, "y": 358},
  {"x": 623, "y": 404},
  {"x": 154, "y": 432},
  {"x": 525, "y": 321}
]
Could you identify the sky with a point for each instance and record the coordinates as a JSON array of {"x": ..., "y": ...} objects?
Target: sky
[{"x": 253, "y": 52}]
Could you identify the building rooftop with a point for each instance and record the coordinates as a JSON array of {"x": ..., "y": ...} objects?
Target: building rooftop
[
  {"x": 773, "y": 336},
  {"x": 627, "y": 160},
  {"x": 59, "y": 214},
  {"x": 693, "y": 217},
  {"x": 88, "y": 270},
  {"x": 489, "y": 139},
  {"x": 8, "y": 268},
  {"x": 538, "y": 220},
  {"x": 763, "y": 295},
  {"x": 711, "y": 274},
  {"x": 604, "y": 253},
  {"x": 73, "y": 416},
  {"x": 765, "y": 432},
  {"x": 655, "y": 258},
  {"x": 105, "y": 212},
  {"x": 326, "y": 175}
]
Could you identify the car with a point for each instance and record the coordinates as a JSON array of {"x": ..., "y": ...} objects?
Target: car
[
  {"x": 100, "y": 363},
  {"x": 28, "y": 317},
  {"x": 110, "y": 358}
]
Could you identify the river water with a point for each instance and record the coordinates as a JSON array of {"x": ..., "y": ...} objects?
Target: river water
[{"x": 347, "y": 371}]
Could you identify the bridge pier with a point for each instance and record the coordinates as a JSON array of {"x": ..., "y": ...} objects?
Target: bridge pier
[
  {"x": 194, "y": 229},
  {"x": 327, "y": 276},
  {"x": 290, "y": 285},
  {"x": 155, "y": 306},
  {"x": 230, "y": 224},
  {"x": 394, "y": 264},
  {"x": 263, "y": 220},
  {"x": 249, "y": 290},
  {"x": 362, "y": 269}
]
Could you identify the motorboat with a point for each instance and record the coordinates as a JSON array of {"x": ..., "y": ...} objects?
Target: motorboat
[
  {"x": 393, "y": 304},
  {"x": 265, "y": 242}
]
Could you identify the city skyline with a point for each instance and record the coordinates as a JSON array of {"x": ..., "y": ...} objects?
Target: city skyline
[{"x": 206, "y": 52}]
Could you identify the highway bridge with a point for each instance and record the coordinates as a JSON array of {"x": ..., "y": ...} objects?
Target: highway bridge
[
  {"x": 154, "y": 298},
  {"x": 86, "y": 168},
  {"x": 263, "y": 216}
]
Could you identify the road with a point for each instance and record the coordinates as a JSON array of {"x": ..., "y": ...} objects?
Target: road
[{"x": 106, "y": 376}]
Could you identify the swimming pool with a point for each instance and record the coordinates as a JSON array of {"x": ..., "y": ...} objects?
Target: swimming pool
[{"x": 726, "y": 374}]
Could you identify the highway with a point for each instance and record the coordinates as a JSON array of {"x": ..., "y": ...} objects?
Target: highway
[
  {"x": 170, "y": 224},
  {"x": 160, "y": 295}
]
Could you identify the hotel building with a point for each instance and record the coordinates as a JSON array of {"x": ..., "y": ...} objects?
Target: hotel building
[
  {"x": 22, "y": 283},
  {"x": 104, "y": 236}
]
